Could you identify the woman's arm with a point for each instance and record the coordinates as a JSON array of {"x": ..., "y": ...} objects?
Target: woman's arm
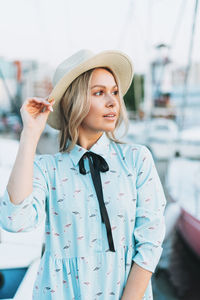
[
  {"x": 22, "y": 206},
  {"x": 20, "y": 182},
  {"x": 149, "y": 229},
  {"x": 137, "y": 282},
  {"x": 34, "y": 119}
]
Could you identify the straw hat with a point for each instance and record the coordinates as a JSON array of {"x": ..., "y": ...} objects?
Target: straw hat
[{"x": 80, "y": 62}]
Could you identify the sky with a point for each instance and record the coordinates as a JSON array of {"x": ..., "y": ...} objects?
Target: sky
[{"x": 52, "y": 30}]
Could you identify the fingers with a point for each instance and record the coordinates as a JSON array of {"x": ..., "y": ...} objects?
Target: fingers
[
  {"x": 40, "y": 104},
  {"x": 40, "y": 100}
]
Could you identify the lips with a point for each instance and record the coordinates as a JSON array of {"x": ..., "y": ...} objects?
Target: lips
[
  {"x": 111, "y": 117},
  {"x": 111, "y": 114}
]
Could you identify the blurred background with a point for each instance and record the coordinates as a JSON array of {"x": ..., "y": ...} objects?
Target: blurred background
[{"x": 163, "y": 39}]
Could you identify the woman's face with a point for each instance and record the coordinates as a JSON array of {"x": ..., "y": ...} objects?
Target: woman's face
[{"x": 104, "y": 97}]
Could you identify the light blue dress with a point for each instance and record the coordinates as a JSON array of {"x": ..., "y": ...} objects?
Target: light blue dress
[{"x": 77, "y": 263}]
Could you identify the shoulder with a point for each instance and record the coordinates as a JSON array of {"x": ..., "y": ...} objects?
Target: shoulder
[
  {"x": 130, "y": 149},
  {"x": 48, "y": 161},
  {"x": 132, "y": 152}
]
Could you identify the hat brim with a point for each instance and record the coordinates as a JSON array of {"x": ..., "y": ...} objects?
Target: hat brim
[{"x": 117, "y": 61}]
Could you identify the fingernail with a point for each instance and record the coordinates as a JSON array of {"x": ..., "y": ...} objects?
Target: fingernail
[
  {"x": 51, "y": 100},
  {"x": 51, "y": 108}
]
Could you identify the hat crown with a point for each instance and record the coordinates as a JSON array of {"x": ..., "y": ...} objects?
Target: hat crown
[{"x": 70, "y": 63}]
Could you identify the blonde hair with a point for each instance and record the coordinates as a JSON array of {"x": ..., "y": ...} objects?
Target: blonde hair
[{"x": 75, "y": 105}]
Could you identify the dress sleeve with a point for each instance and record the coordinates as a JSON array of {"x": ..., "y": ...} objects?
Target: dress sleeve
[
  {"x": 149, "y": 228},
  {"x": 31, "y": 211}
]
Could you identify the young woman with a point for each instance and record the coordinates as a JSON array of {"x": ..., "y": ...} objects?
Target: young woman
[{"x": 102, "y": 198}]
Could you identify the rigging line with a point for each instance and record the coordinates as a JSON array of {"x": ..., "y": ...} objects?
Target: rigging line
[
  {"x": 132, "y": 16},
  {"x": 126, "y": 23},
  {"x": 136, "y": 29},
  {"x": 178, "y": 23},
  {"x": 173, "y": 39},
  {"x": 149, "y": 26},
  {"x": 188, "y": 67},
  {"x": 140, "y": 30}
]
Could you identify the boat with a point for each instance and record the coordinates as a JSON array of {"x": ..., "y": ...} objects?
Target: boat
[
  {"x": 189, "y": 227},
  {"x": 183, "y": 185},
  {"x": 159, "y": 135},
  {"x": 188, "y": 143},
  {"x": 18, "y": 269}
]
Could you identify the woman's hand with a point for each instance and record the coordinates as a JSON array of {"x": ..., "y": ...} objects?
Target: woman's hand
[{"x": 34, "y": 112}]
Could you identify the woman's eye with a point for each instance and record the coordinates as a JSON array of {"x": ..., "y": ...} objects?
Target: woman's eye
[
  {"x": 115, "y": 93},
  {"x": 98, "y": 93}
]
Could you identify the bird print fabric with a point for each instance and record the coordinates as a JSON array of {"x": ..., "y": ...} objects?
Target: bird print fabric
[{"x": 77, "y": 263}]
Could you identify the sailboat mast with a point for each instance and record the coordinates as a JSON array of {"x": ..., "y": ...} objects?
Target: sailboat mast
[{"x": 187, "y": 71}]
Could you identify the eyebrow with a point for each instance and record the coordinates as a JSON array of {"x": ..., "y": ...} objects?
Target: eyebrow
[{"x": 103, "y": 86}]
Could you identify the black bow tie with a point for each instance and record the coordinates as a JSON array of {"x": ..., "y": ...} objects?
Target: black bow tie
[{"x": 98, "y": 164}]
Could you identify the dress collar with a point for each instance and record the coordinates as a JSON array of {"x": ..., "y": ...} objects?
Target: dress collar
[{"x": 101, "y": 147}]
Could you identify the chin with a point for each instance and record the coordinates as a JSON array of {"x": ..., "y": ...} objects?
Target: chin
[{"x": 108, "y": 129}]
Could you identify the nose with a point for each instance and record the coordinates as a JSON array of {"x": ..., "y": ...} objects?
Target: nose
[{"x": 110, "y": 100}]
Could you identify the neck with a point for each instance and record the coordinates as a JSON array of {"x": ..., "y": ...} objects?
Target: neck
[{"x": 88, "y": 140}]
